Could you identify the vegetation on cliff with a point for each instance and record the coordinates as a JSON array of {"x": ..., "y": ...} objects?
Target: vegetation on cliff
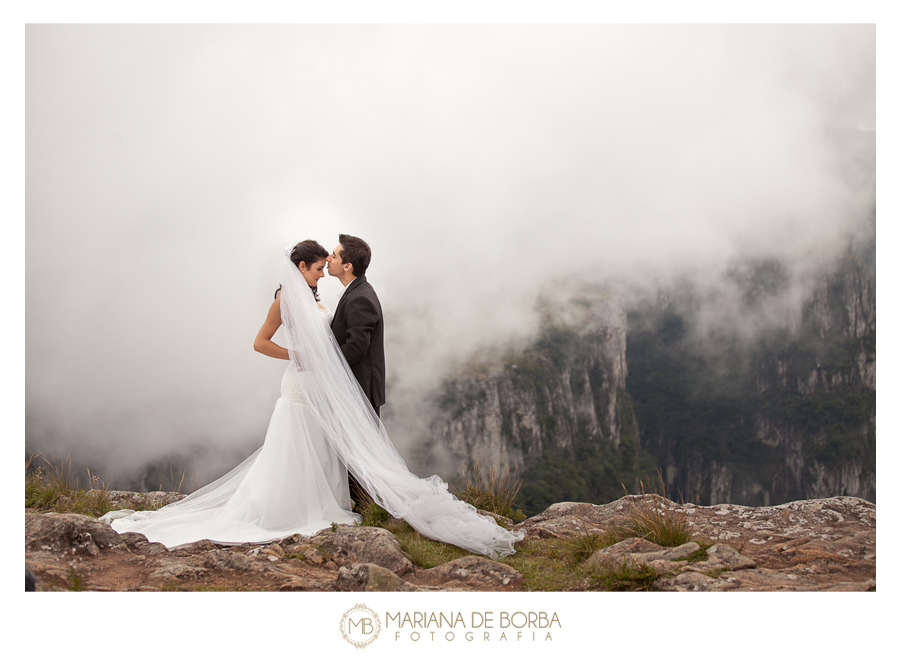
[
  {"x": 774, "y": 411},
  {"x": 756, "y": 391},
  {"x": 569, "y": 455}
]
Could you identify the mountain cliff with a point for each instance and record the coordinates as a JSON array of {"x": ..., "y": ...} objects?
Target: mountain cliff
[
  {"x": 557, "y": 411},
  {"x": 785, "y": 413},
  {"x": 757, "y": 395}
]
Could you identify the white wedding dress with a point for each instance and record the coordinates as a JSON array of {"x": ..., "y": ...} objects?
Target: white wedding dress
[
  {"x": 296, "y": 483},
  {"x": 293, "y": 484}
]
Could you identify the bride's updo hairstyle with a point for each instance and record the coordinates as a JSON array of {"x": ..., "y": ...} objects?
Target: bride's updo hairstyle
[{"x": 309, "y": 252}]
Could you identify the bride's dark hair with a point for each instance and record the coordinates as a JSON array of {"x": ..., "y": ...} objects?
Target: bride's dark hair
[{"x": 309, "y": 252}]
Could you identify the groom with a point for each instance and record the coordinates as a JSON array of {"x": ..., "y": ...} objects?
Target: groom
[{"x": 358, "y": 325}]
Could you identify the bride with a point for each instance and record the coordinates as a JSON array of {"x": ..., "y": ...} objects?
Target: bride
[{"x": 322, "y": 425}]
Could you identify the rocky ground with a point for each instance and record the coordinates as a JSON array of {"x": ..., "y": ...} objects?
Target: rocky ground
[
  {"x": 811, "y": 545},
  {"x": 808, "y": 545}
]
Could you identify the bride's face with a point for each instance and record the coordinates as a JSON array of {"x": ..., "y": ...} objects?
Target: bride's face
[{"x": 314, "y": 273}]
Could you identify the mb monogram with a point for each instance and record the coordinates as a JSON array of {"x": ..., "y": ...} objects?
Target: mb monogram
[{"x": 360, "y": 625}]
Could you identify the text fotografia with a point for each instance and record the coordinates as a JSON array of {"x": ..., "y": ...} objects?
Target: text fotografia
[{"x": 479, "y": 626}]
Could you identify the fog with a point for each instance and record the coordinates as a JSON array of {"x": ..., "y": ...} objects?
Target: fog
[{"x": 168, "y": 166}]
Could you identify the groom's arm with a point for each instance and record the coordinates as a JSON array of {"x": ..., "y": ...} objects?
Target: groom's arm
[{"x": 362, "y": 320}]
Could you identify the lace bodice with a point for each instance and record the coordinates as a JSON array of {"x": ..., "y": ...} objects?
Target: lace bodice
[{"x": 290, "y": 385}]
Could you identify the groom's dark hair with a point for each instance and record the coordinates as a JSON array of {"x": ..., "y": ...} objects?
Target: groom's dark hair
[{"x": 356, "y": 252}]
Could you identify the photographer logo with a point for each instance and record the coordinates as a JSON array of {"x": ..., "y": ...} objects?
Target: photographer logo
[{"x": 360, "y": 626}]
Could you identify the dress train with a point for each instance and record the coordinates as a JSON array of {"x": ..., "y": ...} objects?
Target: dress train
[{"x": 293, "y": 484}]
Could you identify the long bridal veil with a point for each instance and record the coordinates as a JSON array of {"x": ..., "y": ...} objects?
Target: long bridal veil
[{"x": 357, "y": 435}]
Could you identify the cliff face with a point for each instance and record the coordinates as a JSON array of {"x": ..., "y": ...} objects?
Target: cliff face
[
  {"x": 562, "y": 392},
  {"x": 787, "y": 413},
  {"x": 551, "y": 410},
  {"x": 821, "y": 392},
  {"x": 783, "y": 412}
]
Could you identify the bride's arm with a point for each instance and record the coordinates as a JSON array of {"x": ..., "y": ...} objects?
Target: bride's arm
[
  {"x": 326, "y": 311},
  {"x": 263, "y": 341}
]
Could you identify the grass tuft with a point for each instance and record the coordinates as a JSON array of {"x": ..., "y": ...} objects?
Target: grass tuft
[
  {"x": 625, "y": 576},
  {"x": 653, "y": 520},
  {"x": 76, "y": 581},
  {"x": 373, "y": 514},
  {"x": 53, "y": 487},
  {"x": 494, "y": 490},
  {"x": 424, "y": 552},
  {"x": 545, "y": 566},
  {"x": 586, "y": 543},
  {"x": 172, "y": 485}
]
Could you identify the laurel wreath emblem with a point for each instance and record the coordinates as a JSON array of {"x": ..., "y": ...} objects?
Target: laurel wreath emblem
[{"x": 345, "y": 624}]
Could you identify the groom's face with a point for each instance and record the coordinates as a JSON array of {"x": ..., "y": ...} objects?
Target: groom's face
[{"x": 335, "y": 263}]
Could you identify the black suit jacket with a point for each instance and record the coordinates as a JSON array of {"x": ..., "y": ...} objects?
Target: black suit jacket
[{"x": 358, "y": 327}]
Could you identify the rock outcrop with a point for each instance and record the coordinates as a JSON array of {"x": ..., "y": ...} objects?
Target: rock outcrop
[
  {"x": 808, "y": 545},
  {"x": 812, "y": 545}
]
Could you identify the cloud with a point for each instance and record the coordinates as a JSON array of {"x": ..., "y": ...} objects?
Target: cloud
[{"x": 166, "y": 167}]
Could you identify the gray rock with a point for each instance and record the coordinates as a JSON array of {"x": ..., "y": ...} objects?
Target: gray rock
[
  {"x": 557, "y": 527},
  {"x": 197, "y": 547},
  {"x": 631, "y": 546},
  {"x": 73, "y": 533},
  {"x": 472, "y": 572},
  {"x": 300, "y": 584},
  {"x": 48, "y": 566},
  {"x": 148, "y": 500},
  {"x": 223, "y": 559},
  {"x": 723, "y": 555},
  {"x": 364, "y": 544},
  {"x": 138, "y": 544},
  {"x": 580, "y": 515},
  {"x": 274, "y": 549},
  {"x": 692, "y": 581},
  {"x": 676, "y": 552},
  {"x": 766, "y": 580},
  {"x": 313, "y": 556},
  {"x": 641, "y": 551},
  {"x": 664, "y": 567},
  {"x": 866, "y": 586},
  {"x": 370, "y": 578},
  {"x": 181, "y": 571}
]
